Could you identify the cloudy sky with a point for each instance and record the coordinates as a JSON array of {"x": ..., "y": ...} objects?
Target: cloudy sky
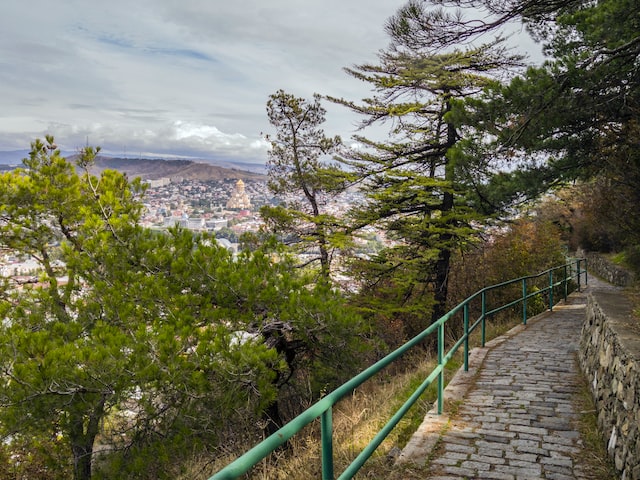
[{"x": 167, "y": 77}]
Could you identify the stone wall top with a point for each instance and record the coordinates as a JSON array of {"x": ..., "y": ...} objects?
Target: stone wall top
[{"x": 618, "y": 310}]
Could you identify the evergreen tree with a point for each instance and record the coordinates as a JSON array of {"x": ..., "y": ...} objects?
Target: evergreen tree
[
  {"x": 157, "y": 344},
  {"x": 300, "y": 172},
  {"x": 419, "y": 181},
  {"x": 577, "y": 113}
]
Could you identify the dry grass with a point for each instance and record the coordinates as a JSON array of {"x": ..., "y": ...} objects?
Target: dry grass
[
  {"x": 356, "y": 420},
  {"x": 594, "y": 460}
]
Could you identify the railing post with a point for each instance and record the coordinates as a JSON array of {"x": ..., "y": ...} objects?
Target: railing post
[
  {"x": 440, "y": 363},
  {"x": 551, "y": 290},
  {"x": 586, "y": 274},
  {"x": 524, "y": 301},
  {"x": 484, "y": 309},
  {"x": 326, "y": 433},
  {"x": 566, "y": 284},
  {"x": 466, "y": 337},
  {"x": 579, "y": 273}
]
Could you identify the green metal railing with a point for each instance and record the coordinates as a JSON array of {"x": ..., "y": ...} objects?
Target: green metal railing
[{"x": 546, "y": 285}]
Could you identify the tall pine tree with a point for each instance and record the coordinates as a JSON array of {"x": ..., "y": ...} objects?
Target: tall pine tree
[
  {"x": 420, "y": 180},
  {"x": 301, "y": 172}
]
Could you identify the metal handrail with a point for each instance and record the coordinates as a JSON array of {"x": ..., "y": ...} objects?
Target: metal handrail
[{"x": 323, "y": 408}]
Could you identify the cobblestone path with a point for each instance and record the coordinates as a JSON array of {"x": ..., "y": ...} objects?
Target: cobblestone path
[{"x": 517, "y": 421}]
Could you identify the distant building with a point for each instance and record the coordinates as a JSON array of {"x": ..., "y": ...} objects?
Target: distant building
[
  {"x": 239, "y": 199},
  {"x": 184, "y": 221},
  {"x": 174, "y": 220},
  {"x": 195, "y": 224},
  {"x": 216, "y": 223},
  {"x": 161, "y": 182}
]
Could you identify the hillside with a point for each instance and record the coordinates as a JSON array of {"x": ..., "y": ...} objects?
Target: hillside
[{"x": 152, "y": 169}]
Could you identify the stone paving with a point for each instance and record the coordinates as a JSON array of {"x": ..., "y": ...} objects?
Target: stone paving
[{"x": 517, "y": 421}]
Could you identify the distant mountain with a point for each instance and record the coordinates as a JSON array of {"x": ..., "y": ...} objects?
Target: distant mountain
[
  {"x": 249, "y": 167},
  {"x": 13, "y": 157},
  {"x": 153, "y": 169}
]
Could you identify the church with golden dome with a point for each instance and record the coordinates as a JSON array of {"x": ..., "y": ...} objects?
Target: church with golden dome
[{"x": 239, "y": 199}]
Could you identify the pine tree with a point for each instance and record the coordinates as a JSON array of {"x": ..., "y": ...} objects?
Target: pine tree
[
  {"x": 302, "y": 174},
  {"x": 419, "y": 182},
  {"x": 577, "y": 113},
  {"x": 156, "y": 343}
]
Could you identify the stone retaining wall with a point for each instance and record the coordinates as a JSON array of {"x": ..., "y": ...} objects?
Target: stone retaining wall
[
  {"x": 610, "y": 358},
  {"x": 603, "y": 268}
]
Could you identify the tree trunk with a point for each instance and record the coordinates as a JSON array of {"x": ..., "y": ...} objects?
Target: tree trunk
[
  {"x": 82, "y": 456},
  {"x": 272, "y": 418},
  {"x": 82, "y": 433},
  {"x": 441, "y": 287},
  {"x": 324, "y": 254}
]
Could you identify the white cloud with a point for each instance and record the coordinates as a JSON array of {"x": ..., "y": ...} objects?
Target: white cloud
[
  {"x": 188, "y": 130},
  {"x": 187, "y": 78}
]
